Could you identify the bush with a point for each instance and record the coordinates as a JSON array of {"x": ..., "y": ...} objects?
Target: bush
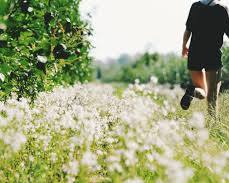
[{"x": 44, "y": 43}]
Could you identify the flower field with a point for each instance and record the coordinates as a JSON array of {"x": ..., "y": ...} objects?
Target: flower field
[{"x": 103, "y": 133}]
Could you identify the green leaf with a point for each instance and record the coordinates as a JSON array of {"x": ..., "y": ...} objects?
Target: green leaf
[
  {"x": 24, "y": 63},
  {"x": 3, "y": 5},
  {"x": 26, "y": 38},
  {"x": 5, "y": 68},
  {"x": 72, "y": 58}
]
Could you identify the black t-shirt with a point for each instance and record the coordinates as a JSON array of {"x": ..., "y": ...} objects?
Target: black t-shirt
[{"x": 208, "y": 25}]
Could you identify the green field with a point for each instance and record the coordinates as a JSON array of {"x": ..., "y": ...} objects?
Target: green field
[{"x": 112, "y": 133}]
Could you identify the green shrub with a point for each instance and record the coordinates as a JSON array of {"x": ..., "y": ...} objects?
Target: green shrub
[{"x": 44, "y": 44}]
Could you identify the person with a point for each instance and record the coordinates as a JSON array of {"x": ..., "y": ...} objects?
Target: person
[{"x": 207, "y": 23}]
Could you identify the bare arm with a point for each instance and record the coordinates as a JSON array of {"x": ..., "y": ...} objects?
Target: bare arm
[{"x": 187, "y": 35}]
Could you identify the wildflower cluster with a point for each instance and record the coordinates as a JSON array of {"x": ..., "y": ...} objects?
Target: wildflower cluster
[{"x": 85, "y": 133}]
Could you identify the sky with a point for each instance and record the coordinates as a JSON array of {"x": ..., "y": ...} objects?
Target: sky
[{"x": 135, "y": 26}]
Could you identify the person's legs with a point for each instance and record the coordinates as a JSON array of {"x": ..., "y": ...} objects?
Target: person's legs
[
  {"x": 200, "y": 84},
  {"x": 213, "y": 85},
  {"x": 197, "y": 89}
]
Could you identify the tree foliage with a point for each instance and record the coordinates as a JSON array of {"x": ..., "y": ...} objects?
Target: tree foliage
[
  {"x": 168, "y": 69},
  {"x": 42, "y": 43}
]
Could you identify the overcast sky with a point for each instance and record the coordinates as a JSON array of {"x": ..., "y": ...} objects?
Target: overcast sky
[{"x": 133, "y": 26}]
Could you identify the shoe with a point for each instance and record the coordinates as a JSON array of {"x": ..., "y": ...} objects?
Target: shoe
[{"x": 187, "y": 98}]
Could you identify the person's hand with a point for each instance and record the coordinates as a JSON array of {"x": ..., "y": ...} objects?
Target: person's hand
[{"x": 185, "y": 51}]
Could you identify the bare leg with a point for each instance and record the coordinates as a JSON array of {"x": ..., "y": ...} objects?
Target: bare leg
[
  {"x": 213, "y": 85},
  {"x": 198, "y": 89},
  {"x": 199, "y": 81}
]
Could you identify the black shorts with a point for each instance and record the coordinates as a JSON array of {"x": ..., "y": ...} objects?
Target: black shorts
[{"x": 208, "y": 61}]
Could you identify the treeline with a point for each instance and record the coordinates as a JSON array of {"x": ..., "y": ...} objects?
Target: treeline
[{"x": 170, "y": 69}]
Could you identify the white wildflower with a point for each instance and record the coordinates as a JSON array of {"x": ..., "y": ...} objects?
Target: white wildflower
[
  {"x": 31, "y": 158},
  {"x": 2, "y": 77},
  {"x": 14, "y": 139},
  {"x": 153, "y": 79},
  {"x": 3, "y": 121},
  {"x": 30, "y": 9},
  {"x": 42, "y": 59},
  {"x": 202, "y": 136},
  {"x": 89, "y": 159},
  {"x": 53, "y": 157},
  {"x": 197, "y": 120},
  {"x": 71, "y": 168},
  {"x": 134, "y": 180},
  {"x": 137, "y": 81}
]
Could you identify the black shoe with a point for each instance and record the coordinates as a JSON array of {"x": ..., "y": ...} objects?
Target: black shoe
[{"x": 187, "y": 98}]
